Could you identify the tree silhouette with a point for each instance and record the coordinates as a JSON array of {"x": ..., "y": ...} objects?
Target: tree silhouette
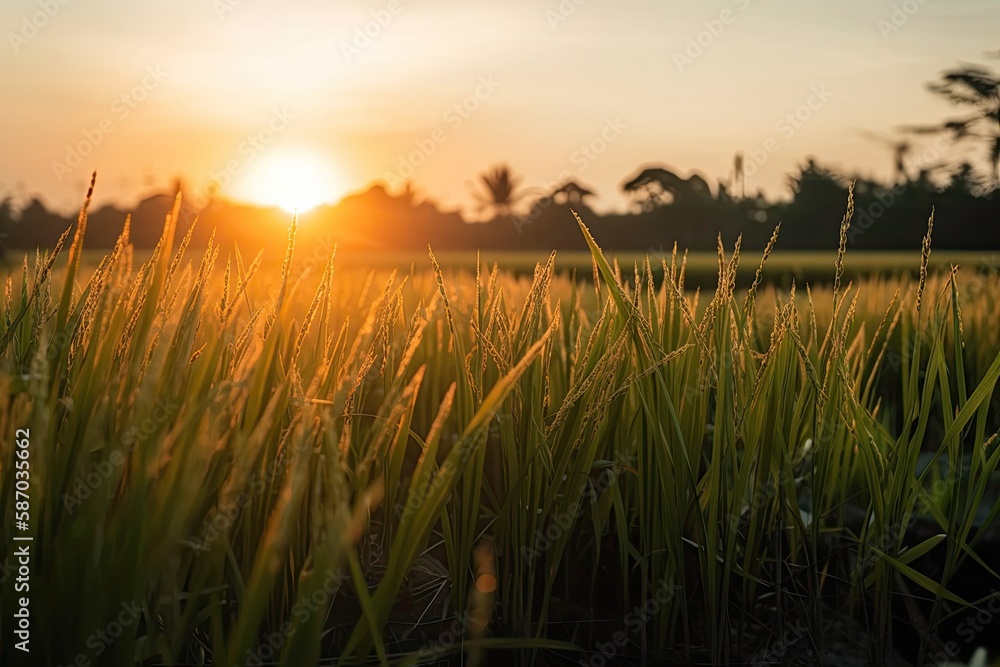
[
  {"x": 977, "y": 90},
  {"x": 964, "y": 181},
  {"x": 409, "y": 194},
  {"x": 571, "y": 193},
  {"x": 6, "y": 220},
  {"x": 655, "y": 186},
  {"x": 816, "y": 190},
  {"x": 500, "y": 190},
  {"x": 901, "y": 149},
  {"x": 739, "y": 174}
]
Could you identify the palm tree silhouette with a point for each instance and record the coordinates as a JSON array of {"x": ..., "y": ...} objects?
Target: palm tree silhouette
[
  {"x": 901, "y": 149},
  {"x": 978, "y": 90},
  {"x": 739, "y": 173},
  {"x": 500, "y": 190}
]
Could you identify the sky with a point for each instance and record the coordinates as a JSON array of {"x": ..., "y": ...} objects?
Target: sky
[{"x": 298, "y": 102}]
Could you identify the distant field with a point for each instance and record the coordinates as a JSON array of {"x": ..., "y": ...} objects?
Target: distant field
[
  {"x": 702, "y": 267},
  {"x": 815, "y": 268}
]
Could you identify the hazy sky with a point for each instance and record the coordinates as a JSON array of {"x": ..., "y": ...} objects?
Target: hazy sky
[{"x": 275, "y": 95}]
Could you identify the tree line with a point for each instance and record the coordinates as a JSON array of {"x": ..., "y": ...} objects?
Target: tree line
[{"x": 666, "y": 207}]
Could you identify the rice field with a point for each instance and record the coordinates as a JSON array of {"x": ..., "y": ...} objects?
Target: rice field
[
  {"x": 242, "y": 460},
  {"x": 702, "y": 268}
]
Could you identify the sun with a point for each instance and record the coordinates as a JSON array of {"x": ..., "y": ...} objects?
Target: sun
[{"x": 292, "y": 180}]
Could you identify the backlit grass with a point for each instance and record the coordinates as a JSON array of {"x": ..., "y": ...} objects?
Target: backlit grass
[{"x": 280, "y": 462}]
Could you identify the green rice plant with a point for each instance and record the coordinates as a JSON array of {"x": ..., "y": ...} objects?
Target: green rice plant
[{"x": 255, "y": 463}]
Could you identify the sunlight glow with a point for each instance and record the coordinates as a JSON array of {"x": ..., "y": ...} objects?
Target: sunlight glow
[{"x": 292, "y": 180}]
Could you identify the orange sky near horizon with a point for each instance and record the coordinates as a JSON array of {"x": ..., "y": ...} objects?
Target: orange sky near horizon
[{"x": 297, "y": 103}]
